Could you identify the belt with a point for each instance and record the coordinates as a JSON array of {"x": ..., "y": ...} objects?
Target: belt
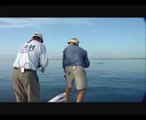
[{"x": 25, "y": 69}]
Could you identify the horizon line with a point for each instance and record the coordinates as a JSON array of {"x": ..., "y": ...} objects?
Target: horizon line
[{"x": 89, "y": 58}]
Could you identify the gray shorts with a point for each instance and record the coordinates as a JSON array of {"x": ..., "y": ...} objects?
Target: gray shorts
[{"x": 77, "y": 75}]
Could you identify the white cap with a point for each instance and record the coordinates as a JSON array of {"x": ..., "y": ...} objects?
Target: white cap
[
  {"x": 38, "y": 34},
  {"x": 74, "y": 40}
]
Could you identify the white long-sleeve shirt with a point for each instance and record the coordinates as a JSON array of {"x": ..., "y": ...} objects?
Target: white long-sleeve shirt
[{"x": 31, "y": 55}]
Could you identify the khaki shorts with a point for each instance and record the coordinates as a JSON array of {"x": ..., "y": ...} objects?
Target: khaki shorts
[{"x": 77, "y": 75}]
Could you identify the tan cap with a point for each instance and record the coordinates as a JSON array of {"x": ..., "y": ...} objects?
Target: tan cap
[
  {"x": 38, "y": 34},
  {"x": 74, "y": 40}
]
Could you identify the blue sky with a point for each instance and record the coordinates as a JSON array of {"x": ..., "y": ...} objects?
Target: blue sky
[{"x": 101, "y": 37}]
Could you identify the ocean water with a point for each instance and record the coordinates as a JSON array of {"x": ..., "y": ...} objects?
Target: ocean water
[{"x": 108, "y": 81}]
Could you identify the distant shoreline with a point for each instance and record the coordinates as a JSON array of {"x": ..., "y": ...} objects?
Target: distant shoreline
[{"x": 117, "y": 58}]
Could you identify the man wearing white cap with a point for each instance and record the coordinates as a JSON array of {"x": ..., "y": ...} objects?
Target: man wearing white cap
[
  {"x": 74, "y": 62},
  {"x": 31, "y": 56}
]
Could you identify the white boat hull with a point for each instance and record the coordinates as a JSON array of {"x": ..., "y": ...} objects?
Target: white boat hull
[{"x": 59, "y": 98}]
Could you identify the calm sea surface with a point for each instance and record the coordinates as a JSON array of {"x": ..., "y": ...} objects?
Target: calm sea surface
[{"x": 108, "y": 81}]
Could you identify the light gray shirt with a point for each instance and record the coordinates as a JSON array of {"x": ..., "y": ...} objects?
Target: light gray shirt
[{"x": 31, "y": 55}]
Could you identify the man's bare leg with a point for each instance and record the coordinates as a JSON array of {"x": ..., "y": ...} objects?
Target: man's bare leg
[
  {"x": 80, "y": 96},
  {"x": 68, "y": 94}
]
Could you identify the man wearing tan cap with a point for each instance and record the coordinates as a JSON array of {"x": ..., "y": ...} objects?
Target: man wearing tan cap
[
  {"x": 74, "y": 62},
  {"x": 31, "y": 56}
]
